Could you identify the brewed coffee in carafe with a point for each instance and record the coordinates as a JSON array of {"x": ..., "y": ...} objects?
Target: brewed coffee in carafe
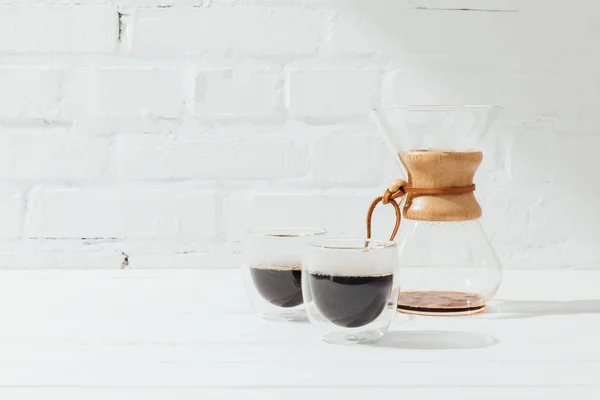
[{"x": 448, "y": 266}]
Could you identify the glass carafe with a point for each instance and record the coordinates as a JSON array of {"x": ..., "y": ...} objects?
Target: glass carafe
[{"x": 447, "y": 265}]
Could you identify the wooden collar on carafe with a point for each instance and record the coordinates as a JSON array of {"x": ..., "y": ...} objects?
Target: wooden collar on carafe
[{"x": 399, "y": 188}]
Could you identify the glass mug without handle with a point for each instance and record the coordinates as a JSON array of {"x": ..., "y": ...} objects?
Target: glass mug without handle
[
  {"x": 272, "y": 270},
  {"x": 350, "y": 288}
]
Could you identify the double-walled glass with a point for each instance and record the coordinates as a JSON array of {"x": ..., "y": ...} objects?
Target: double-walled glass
[
  {"x": 350, "y": 287},
  {"x": 272, "y": 269}
]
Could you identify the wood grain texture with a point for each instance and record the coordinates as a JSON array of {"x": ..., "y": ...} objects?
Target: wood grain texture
[{"x": 441, "y": 169}]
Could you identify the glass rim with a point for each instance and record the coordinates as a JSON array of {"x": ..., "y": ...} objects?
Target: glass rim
[
  {"x": 381, "y": 244},
  {"x": 286, "y": 232},
  {"x": 437, "y": 107}
]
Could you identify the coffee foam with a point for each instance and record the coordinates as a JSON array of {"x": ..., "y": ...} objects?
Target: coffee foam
[
  {"x": 343, "y": 262},
  {"x": 349, "y": 269},
  {"x": 352, "y": 276},
  {"x": 270, "y": 267}
]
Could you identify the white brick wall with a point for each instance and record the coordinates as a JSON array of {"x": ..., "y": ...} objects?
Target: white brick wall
[
  {"x": 117, "y": 212},
  {"x": 332, "y": 94},
  {"x": 152, "y": 133},
  {"x": 207, "y": 158},
  {"x": 125, "y": 92},
  {"x": 238, "y": 94},
  {"x": 26, "y": 29},
  {"x": 39, "y": 154},
  {"x": 226, "y": 30},
  {"x": 30, "y": 92}
]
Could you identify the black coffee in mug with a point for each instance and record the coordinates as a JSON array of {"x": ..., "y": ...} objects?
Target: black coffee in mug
[
  {"x": 279, "y": 285},
  {"x": 350, "y": 301}
]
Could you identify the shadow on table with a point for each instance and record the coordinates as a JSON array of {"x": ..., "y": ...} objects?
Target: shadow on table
[
  {"x": 436, "y": 340},
  {"x": 515, "y": 309}
]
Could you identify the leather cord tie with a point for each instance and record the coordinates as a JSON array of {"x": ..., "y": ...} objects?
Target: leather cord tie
[{"x": 398, "y": 189}]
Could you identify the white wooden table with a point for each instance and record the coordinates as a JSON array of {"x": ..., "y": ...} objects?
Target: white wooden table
[{"x": 192, "y": 335}]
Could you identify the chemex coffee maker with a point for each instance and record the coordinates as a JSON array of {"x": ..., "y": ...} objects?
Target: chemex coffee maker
[{"x": 447, "y": 265}]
